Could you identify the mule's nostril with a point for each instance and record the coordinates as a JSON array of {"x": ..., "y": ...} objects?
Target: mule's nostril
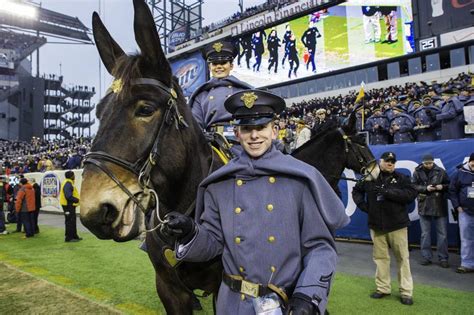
[{"x": 110, "y": 213}]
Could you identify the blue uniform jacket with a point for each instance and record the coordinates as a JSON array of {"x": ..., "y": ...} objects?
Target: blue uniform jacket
[
  {"x": 207, "y": 102},
  {"x": 380, "y": 135},
  {"x": 273, "y": 220},
  {"x": 426, "y": 116},
  {"x": 406, "y": 123},
  {"x": 458, "y": 189},
  {"x": 452, "y": 119}
]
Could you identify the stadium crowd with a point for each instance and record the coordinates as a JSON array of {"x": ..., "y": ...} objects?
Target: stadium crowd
[
  {"x": 397, "y": 114},
  {"x": 19, "y": 157}
]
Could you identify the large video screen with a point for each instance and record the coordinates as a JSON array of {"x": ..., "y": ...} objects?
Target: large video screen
[{"x": 352, "y": 33}]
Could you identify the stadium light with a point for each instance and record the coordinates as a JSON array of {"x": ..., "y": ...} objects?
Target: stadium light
[{"x": 19, "y": 9}]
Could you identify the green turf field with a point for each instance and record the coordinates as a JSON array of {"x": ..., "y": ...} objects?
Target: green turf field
[{"x": 118, "y": 276}]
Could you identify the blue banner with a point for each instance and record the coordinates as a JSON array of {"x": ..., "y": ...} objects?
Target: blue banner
[
  {"x": 448, "y": 154},
  {"x": 191, "y": 72}
]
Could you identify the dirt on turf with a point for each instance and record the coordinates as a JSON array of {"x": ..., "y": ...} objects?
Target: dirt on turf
[{"x": 21, "y": 293}]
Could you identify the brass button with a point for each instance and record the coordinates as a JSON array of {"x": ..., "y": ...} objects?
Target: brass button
[
  {"x": 237, "y": 210},
  {"x": 272, "y": 180},
  {"x": 271, "y": 239},
  {"x": 237, "y": 240},
  {"x": 240, "y": 182},
  {"x": 242, "y": 297},
  {"x": 229, "y": 95},
  {"x": 229, "y": 86},
  {"x": 241, "y": 269},
  {"x": 273, "y": 268},
  {"x": 270, "y": 207},
  {"x": 211, "y": 97}
]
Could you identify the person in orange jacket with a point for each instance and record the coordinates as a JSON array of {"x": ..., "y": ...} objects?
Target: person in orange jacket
[{"x": 25, "y": 206}]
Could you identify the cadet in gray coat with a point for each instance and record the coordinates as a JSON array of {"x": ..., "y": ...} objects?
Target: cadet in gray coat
[
  {"x": 451, "y": 118},
  {"x": 425, "y": 119},
  {"x": 401, "y": 126},
  {"x": 377, "y": 125},
  {"x": 207, "y": 102},
  {"x": 270, "y": 216}
]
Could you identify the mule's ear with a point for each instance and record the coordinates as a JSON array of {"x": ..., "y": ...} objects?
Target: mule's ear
[
  {"x": 108, "y": 48},
  {"x": 350, "y": 124},
  {"x": 148, "y": 39}
]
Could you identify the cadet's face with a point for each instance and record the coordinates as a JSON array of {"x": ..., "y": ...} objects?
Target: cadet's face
[
  {"x": 387, "y": 166},
  {"x": 220, "y": 70},
  {"x": 256, "y": 140}
]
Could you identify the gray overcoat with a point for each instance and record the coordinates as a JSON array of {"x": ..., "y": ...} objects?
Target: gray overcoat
[{"x": 273, "y": 220}]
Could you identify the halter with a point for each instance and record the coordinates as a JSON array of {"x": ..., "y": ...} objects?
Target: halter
[
  {"x": 143, "y": 166},
  {"x": 349, "y": 146}
]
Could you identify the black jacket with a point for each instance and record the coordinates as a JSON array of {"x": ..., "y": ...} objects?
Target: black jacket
[
  {"x": 431, "y": 203},
  {"x": 394, "y": 192}
]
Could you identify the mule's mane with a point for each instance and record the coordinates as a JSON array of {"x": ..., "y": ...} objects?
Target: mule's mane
[{"x": 323, "y": 137}]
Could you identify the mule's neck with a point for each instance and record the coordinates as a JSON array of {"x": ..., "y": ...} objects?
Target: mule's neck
[{"x": 199, "y": 158}]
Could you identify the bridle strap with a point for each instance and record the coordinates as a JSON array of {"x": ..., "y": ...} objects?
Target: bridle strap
[
  {"x": 109, "y": 173},
  {"x": 143, "y": 166}
]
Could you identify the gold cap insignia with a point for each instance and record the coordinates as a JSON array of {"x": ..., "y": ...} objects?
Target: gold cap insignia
[
  {"x": 249, "y": 99},
  {"x": 390, "y": 155},
  {"x": 173, "y": 93},
  {"x": 117, "y": 85},
  {"x": 218, "y": 46}
]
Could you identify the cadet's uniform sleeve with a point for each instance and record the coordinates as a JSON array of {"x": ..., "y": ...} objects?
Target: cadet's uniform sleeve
[
  {"x": 319, "y": 253},
  {"x": 196, "y": 109},
  {"x": 208, "y": 241},
  {"x": 448, "y": 113}
]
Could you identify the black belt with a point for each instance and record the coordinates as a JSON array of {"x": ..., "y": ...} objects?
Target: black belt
[{"x": 239, "y": 285}]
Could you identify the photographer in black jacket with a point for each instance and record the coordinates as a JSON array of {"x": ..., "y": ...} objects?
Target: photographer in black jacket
[
  {"x": 385, "y": 200},
  {"x": 432, "y": 184}
]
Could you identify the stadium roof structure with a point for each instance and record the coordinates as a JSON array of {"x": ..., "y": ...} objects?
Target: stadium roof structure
[{"x": 47, "y": 22}]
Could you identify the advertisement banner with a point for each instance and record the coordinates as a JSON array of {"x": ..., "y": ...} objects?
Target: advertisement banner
[
  {"x": 176, "y": 37},
  {"x": 447, "y": 154},
  {"x": 50, "y": 186},
  {"x": 190, "y": 71},
  {"x": 436, "y": 17}
]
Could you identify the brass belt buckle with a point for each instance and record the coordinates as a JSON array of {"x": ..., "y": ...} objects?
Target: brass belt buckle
[{"x": 249, "y": 288}]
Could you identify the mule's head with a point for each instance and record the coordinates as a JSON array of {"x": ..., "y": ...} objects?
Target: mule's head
[
  {"x": 359, "y": 156},
  {"x": 138, "y": 129}
]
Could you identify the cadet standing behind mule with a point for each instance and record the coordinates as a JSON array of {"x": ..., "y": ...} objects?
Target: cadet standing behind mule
[
  {"x": 207, "y": 102},
  {"x": 270, "y": 216}
]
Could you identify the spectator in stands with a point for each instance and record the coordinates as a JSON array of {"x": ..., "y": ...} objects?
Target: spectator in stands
[
  {"x": 432, "y": 184},
  {"x": 207, "y": 102},
  {"x": 25, "y": 206},
  {"x": 303, "y": 133},
  {"x": 69, "y": 200},
  {"x": 401, "y": 126},
  {"x": 385, "y": 200},
  {"x": 378, "y": 127},
  {"x": 322, "y": 123},
  {"x": 309, "y": 41},
  {"x": 461, "y": 194},
  {"x": 425, "y": 120},
  {"x": 451, "y": 117}
]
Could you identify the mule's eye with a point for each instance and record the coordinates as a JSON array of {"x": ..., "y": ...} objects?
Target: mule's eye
[{"x": 145, "y": 110}]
